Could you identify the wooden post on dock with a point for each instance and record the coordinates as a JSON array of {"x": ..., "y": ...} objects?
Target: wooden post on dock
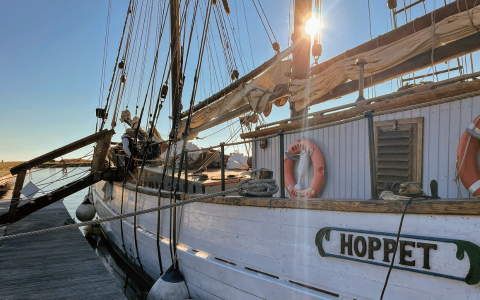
[
  {"x": 16, "y": 193},
  {"x": 100, "y": 154}
]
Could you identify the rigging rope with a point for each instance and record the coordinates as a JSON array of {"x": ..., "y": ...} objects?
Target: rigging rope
[
  {"x": 261, "y": 19},
  {"x": 248, "y": 33},
  {"x": 105, "y": 53},
  {"x": 116, "y": 61}
]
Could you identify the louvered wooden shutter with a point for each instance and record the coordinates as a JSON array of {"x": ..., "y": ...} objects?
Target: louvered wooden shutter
[{"x": 399, "y": 148}]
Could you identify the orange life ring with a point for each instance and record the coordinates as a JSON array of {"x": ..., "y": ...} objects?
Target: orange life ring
[
  {"x": 468, "y": 170},
  {"x": 318, "y": 181}
]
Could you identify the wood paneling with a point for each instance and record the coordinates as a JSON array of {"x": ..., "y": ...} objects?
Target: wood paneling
[
  {"x": 345, "y": 150},
  {"x": 401, "y": 103},
  {"x": 278, "y": 240}
]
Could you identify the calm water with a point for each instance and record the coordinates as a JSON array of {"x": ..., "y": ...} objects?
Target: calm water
[{"x": 50, "y": 179}]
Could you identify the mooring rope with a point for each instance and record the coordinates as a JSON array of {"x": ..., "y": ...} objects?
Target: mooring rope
[{"x": 247, "y": 187}]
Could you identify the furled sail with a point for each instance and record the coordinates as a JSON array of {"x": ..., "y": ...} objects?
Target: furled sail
[
  {"x": 382, "y": 58},
  {"x": 255, "y": 94}
]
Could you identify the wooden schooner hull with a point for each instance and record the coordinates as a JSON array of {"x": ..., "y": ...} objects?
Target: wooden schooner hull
[
  {"x": 339, "y": 245},
  {"x": 344, "y": 243},
  {"x": 240, "y": 248}
]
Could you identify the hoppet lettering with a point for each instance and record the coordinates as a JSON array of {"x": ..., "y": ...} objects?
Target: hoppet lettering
[
  {"x": 367, "y": 246},
  {"x": 420, "y": 254}
]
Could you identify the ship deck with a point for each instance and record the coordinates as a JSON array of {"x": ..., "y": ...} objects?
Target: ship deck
[{"x": 214, "y": 175}]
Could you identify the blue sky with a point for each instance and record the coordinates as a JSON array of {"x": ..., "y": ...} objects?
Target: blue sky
[{"x": 51, "y": 55}]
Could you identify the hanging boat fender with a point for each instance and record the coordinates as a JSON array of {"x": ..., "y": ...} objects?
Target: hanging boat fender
[
  {"x": 467, "y": 162},
  {"x": 86, "y": 210},
  {"x": 170, "y": 286},
  {"x": 318, "y": 181}
]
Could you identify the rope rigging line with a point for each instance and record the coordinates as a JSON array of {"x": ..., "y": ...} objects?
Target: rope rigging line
[
  {"x": 201, "y": 138},
  {"x": 190, "y": 36},
  {"x": 150, "y": 132},
  {"x": 183, "y": 21},
  {"x": 247, "y": 187},
  {"x": 144, "y": 55},
  {"x": 175, "y": 124},
  {"x": 135, "y": 51},
  {"x": 238, "y": 45},
  {"x": 105, "y": 53},
  {"x": 160, "y": 28},
  {"x": 229, "y": 61},
  {"x": 369, "y": 19},
  {"x": 239, "y": 34},
  {"x": 261, "y": 19},
  {"x": 116, "y": 61},
  {"x": 266, "y": 19},
  {"x": 54, "y": 166},
  {"x": 227, "y": 38},
  {"x": 187, "y": 127},
  {"x": 216, "y": 154},
  {"x": 248, "y": 32},
  {"x": 223, "y": 79},
  {"x": 151, "y": 82},
  {"x": 122, "y": 71}
]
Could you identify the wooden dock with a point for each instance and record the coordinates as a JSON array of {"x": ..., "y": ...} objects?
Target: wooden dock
[{"x": 59, "y": 265}]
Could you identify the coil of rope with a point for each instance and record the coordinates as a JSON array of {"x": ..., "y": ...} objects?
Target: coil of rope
[{"x": 256, "y": 187}]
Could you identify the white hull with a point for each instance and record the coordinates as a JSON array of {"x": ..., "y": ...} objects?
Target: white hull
[{"x": 280, "y": 242}]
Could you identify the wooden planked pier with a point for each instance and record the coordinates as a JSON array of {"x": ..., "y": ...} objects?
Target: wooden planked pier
[{"x": 59, "y": 265}]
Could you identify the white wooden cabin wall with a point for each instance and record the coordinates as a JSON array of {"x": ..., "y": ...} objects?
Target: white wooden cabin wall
[{"x": 345, "y": 150}]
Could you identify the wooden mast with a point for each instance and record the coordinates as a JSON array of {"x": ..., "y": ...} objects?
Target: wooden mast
[
  {"x": 301, "y": 54},
  {"x": 175, "y": 54},
  {"x": 176, "y": 102}
]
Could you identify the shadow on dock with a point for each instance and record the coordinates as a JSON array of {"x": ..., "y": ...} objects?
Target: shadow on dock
[
  {"x": 133, "y": 285},
  {"x": 59, "y": 265}
]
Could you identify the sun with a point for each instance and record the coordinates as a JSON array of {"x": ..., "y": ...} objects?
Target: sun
[{"x": 312, "y": 26}]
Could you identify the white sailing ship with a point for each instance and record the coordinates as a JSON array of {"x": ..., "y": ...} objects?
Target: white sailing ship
[{"x": 366, "y": 206}]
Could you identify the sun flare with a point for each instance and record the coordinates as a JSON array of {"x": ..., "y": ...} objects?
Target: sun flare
[{"x": 312, "y": 26}]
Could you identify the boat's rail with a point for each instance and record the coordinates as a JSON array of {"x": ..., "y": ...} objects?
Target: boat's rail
[{"x": 463, "y": 207}]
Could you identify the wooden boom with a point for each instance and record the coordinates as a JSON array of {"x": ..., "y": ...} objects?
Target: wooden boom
[
  {"x": 251, "y": 75},
  {"x": 441, "y": 54}
]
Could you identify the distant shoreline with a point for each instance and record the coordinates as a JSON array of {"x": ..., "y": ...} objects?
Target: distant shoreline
[
  {"x": 67, "y": 164},
  {"x": 6, "y": 166}
]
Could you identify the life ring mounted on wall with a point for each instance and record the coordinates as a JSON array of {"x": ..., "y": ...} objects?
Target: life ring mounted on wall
[
  {"x": 299, "y": 151},
  {"x": 467, "y": 162}
]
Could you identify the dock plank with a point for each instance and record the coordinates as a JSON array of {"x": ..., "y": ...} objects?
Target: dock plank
[{"x": 59, "y": 265}]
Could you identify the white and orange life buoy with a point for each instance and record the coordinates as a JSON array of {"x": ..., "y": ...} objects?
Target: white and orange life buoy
[
  {"x": 318, "y": 181},
  {"x": 467, "y": 162}
]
